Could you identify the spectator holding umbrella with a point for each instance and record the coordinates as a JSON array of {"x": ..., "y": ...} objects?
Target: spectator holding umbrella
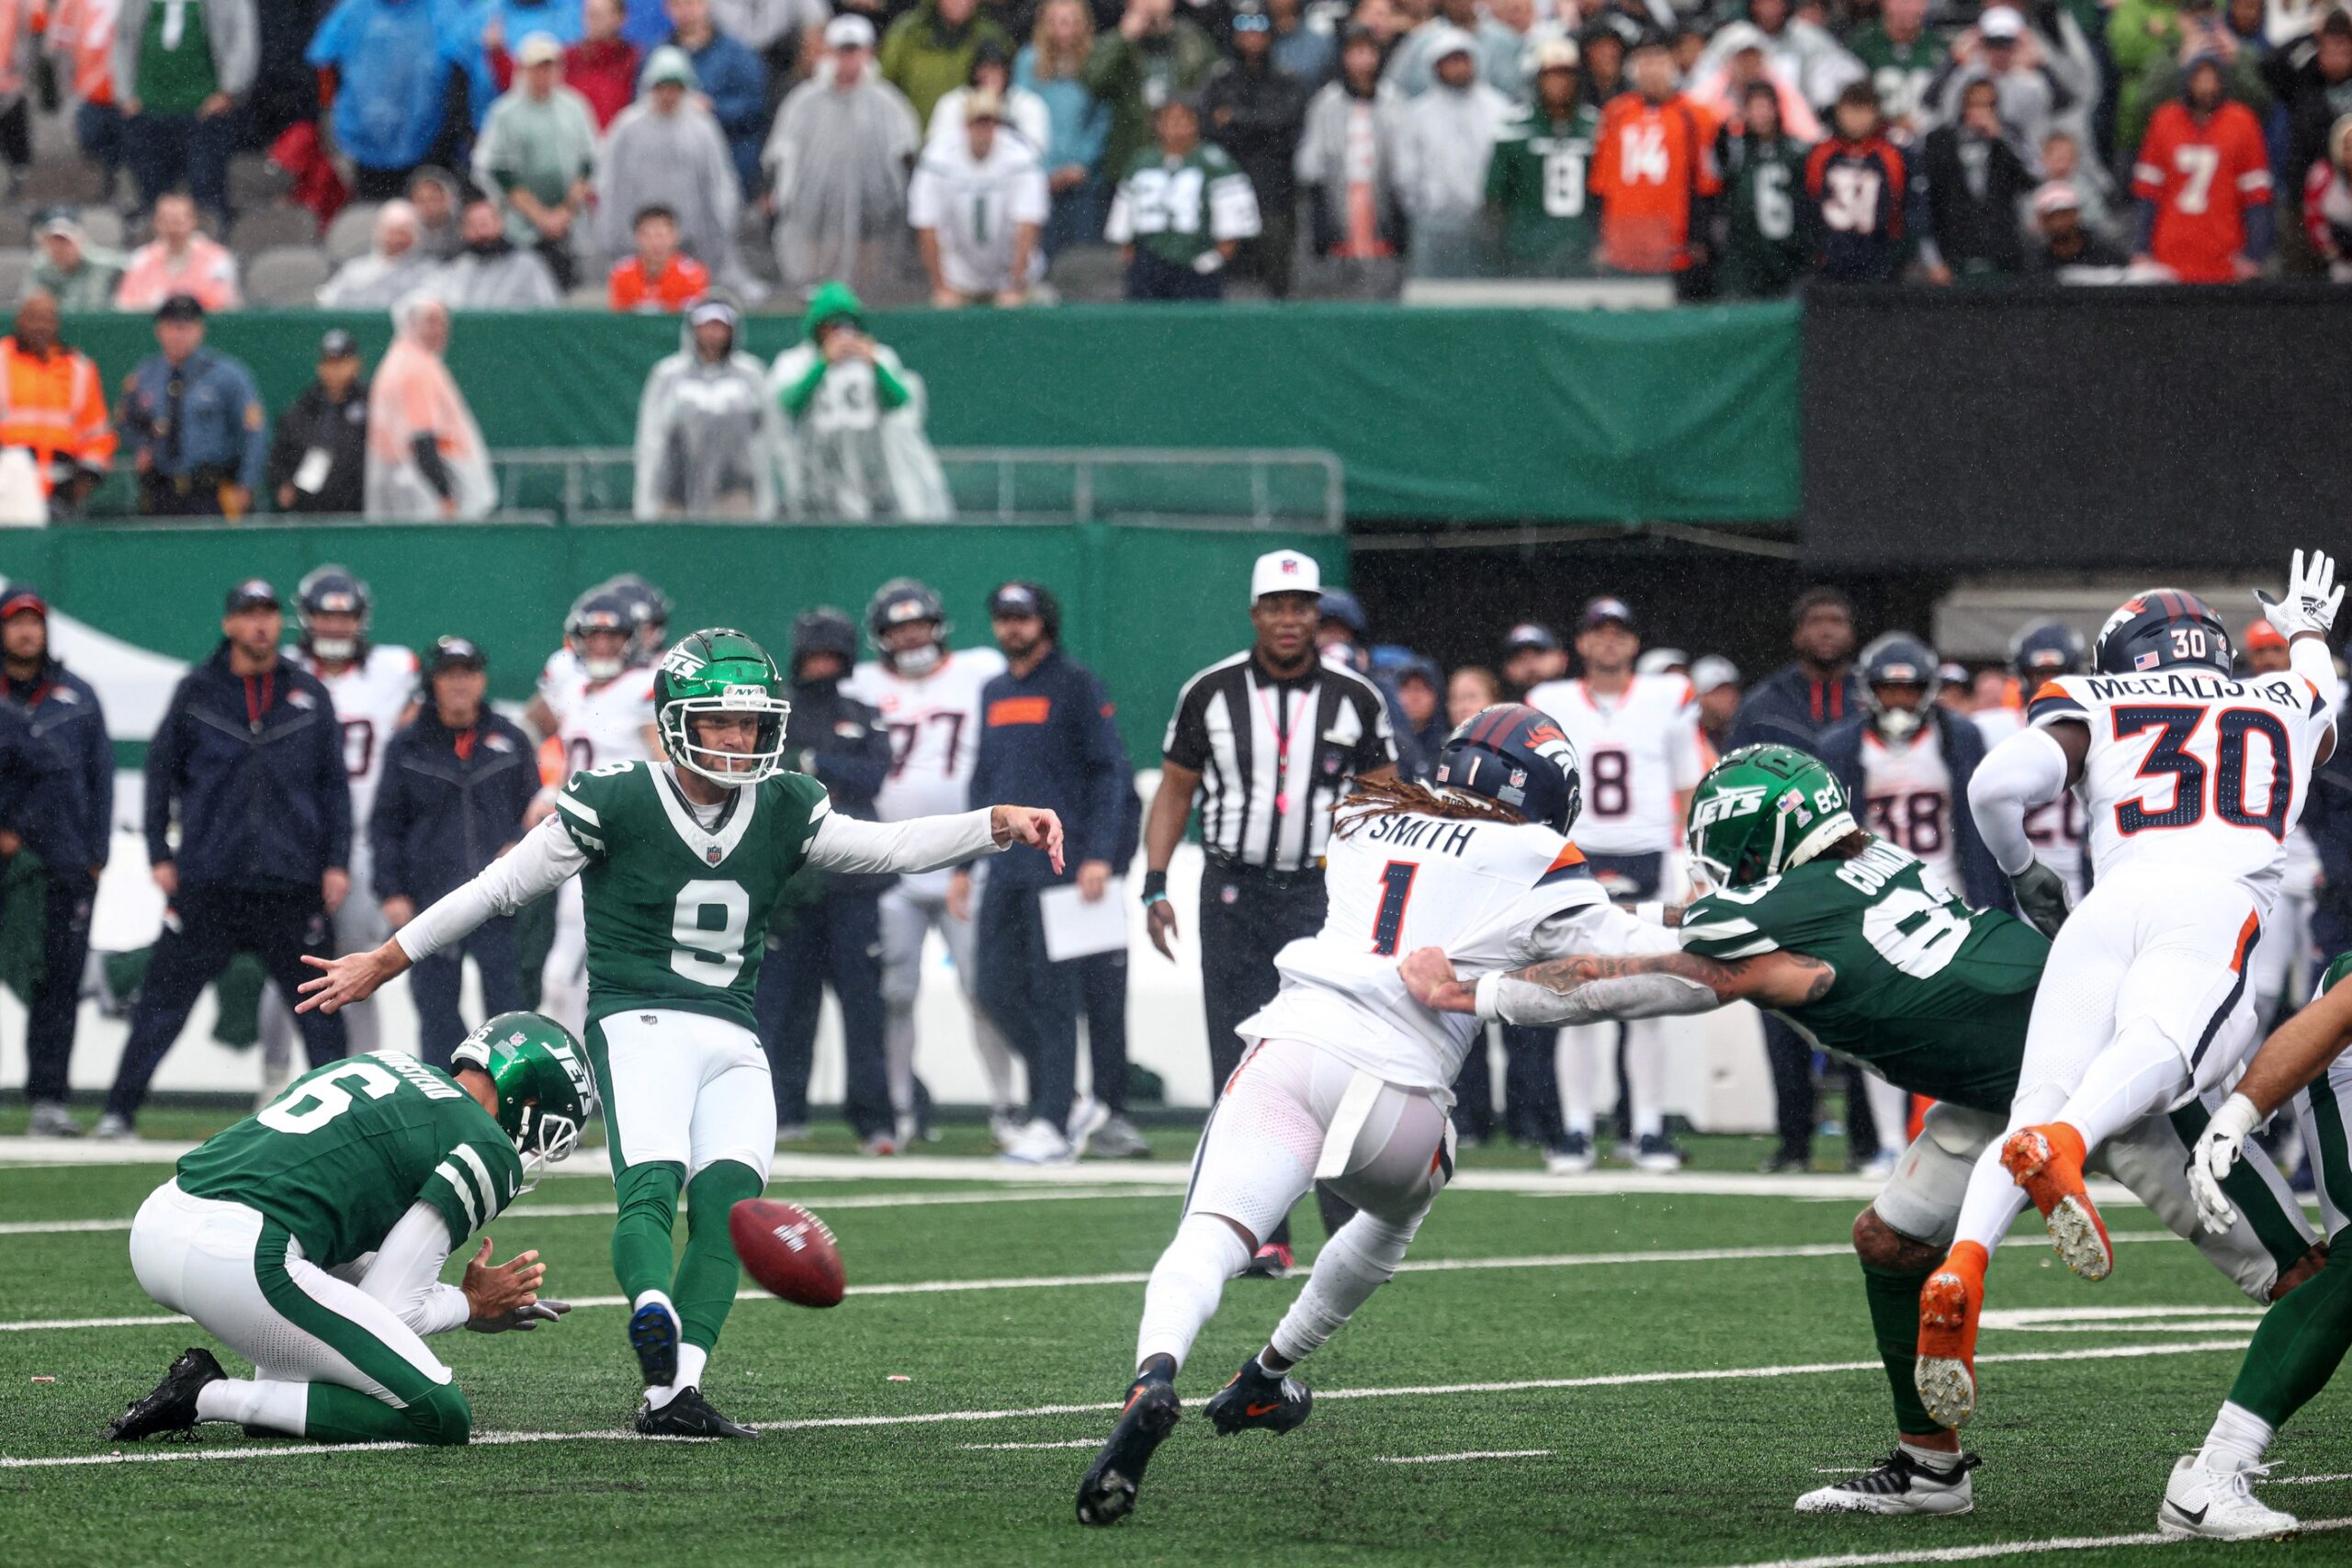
[
  {"x": 318, "y": 460},
  {"x": 425, "y": 455}
]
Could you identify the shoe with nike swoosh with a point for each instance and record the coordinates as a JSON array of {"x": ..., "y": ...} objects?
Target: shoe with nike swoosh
[
  {"x": 2208, "y": 1503},
  {"x": 1152, "y": 1412},
  {"x": 1257, "y": 1399}
]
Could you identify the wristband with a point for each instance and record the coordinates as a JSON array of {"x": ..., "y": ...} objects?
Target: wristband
[
  {"x": 1489, "y": 996},
  {"x": 1652, "y": 911},
  {"x": 1155, "y": 885}
]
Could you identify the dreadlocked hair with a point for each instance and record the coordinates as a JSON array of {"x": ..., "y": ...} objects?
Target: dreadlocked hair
[
  {"x": 1846, "y": 846},
  {"x": 1401, "y": 797}
]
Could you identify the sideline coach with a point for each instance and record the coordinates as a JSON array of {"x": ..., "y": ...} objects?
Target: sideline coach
[{"x": 1267, "y": 741}]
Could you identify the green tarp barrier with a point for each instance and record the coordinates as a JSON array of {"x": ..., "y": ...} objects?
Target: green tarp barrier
[
  {"x": 1142, "y": 607},
  {"x": 1469, "y": 415}
]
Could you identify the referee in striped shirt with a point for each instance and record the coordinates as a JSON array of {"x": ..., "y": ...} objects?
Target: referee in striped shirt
[{"x": 1267, "y": 741}]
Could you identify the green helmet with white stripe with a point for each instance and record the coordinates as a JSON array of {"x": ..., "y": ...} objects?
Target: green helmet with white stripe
[
  {"x": 720, "y": 673},
  {"x": 1761, "y": 810},
  {"x": 545, "y": 1092}
]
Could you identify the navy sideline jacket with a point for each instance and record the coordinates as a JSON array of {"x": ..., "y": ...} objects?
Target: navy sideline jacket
[
  {"x": 67, "y": 718},
  {"x": 1047, "y": 740},
  {"x": 451, "y": 800}
]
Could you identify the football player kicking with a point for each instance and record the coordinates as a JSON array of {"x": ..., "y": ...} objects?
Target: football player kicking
[
  {"x": 2192, "y": 781},
  {"x": 679, "y": 864},
  {"x": 310, "y": 1237},
  {"x": 2301, "y": 1340},
  {"x": 1346, "y": 1081},
  {"x": 1847, "y": 937}
]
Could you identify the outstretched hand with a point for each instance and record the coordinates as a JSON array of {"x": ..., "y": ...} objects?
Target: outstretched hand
[
  {"x": 2215, "y": 1153},
  {"x": 498, "y": 1296},
  {"x": 1033, "y": 826},
  {"x": 1428, "y": 976},
  {"x": 353, "y": 977},
  {"x": 2313, "y": 597}
]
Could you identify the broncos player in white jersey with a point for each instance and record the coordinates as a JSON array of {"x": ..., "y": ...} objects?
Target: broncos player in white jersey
[
  {"x": 1348, "y": 1079},
  {"x": 2192, "y": 780},
  {"x": 1636, "y": 737},
  {"x": 374, "y": 689},
  {"x": 2286, "y": 947},
  {"x": 596, "y": 700},
  {"x": 929, "y": 697},
  {"x": 2041, "y": 652}
]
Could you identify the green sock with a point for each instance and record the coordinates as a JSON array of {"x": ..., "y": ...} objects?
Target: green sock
[
  {"x": 337, "y": 1414},
  {"x": 1895, "y": 1321},
  {"x": 704, "y": 1290},
  {"x": 2302, "y": 1339},
  {"x": 648, "y": 1197}
]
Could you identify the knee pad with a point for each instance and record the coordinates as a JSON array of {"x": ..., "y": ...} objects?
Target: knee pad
[{"x": 443, "y": 1419}]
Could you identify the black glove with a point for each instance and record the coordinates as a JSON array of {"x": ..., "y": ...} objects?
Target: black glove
[{"x": 2042, "y": 898}]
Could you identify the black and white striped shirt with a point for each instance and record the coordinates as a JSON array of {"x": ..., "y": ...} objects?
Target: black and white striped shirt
[{"x": 1274, "y": 756}]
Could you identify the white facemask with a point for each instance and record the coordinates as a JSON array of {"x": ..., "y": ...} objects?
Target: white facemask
[
  {"x": 919, "y": 660},
  {"x": 334, "y": 649},
  {"x": 1900, "y": 724}
]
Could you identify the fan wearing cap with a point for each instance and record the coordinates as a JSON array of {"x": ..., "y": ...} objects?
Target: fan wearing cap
[
  {"x": 1717, "y": 680},
  {"x": 79, "y": 274},
  {"x": 75, "y": 813},
  {"x": 2063, "y": 238},
  {"x": 193, "y": 424},
  {"x": 1443, "y": 137},
  {"x": 978, "y": 202},
  {"x": 1637, "y": 738},
  {"x": 538, "y": 150},
  {"x": 247, "y": 765},
  {"x": 1538, "y": 180},
  {"x": 1532, "y": 655},
  {"x": 708, "y": 432},
  {"x": 54, "y": 405},
  {"x": 837, "y": 162},
  {"x": 666, "y": 148},
  {"x": 458, "y": 782},
  {"x": 1180, "y": 211},
  {"x": 318, "y": 458}
]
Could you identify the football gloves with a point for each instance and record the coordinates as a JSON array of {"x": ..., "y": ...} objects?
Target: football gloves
[
  {"x": 2313, "y": 597},
  {"x": 2042, "y": 896},
  {"x": 2216, "y": 1152},
  {"x": 523, "y": 1319}
]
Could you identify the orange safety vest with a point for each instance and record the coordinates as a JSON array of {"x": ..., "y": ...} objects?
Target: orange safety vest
[{"x": 54, "y": 406}]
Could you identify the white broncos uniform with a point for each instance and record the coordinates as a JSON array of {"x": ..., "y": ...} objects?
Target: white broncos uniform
[
  {"x": 933, "y": 721},
  {"x": 370, "y": 697},
  {"x": 1640, "y": 752},
  {"x": 2055, "y": 828},
  {"x": 596, "y": 722},
  {"x": 2192, "y": 783}
]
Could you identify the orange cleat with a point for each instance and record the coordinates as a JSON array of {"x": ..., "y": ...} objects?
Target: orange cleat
[
  {"x": 2047, "y": 1161},
  {"x": 1949, "y": 1304}
]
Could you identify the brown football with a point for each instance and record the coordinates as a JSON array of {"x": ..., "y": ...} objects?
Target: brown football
[{"x": 787, "y": 1249}]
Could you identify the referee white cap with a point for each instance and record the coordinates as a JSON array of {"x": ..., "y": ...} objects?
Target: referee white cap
[{"x": 1285, "y": 572}]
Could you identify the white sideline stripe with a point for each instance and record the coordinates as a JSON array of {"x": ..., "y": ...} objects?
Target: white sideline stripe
[
  {"x": 1067, "y": 1282},
  {"x": 2001, "y": 1549},
  {"x": 1455, "y": 1459},
  {"x": 590, "y": 1210},
  {"x": 1000, "y": 1447},
  {"x": 2304, "y": 1480},
  {"x": 935, "y": 1417}
]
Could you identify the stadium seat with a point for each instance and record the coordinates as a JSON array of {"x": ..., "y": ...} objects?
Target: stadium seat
[
  {"x": 13, "y": 268},
  {"x": 287, "y": 275},
  {"x": 352, "y": 233},
  {"x": 102, "y": 226},
  {"x": 1090, "y": 273},
  {"x": 260, "y": 229}
]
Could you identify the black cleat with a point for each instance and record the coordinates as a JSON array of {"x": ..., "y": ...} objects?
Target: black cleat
[
  {"x": 1108, "y": 1493},
  {"x": 1256, "y": 1399},
  {"x": 688, "y": 1416},
  {"x": 172, "y": 1407},
  {"x": 653, "y": 1335}
]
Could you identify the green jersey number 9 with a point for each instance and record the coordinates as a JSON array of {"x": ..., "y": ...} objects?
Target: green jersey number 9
[
  {"x": 324, "y": 1099},
  {"x": 712, "y": 956}
]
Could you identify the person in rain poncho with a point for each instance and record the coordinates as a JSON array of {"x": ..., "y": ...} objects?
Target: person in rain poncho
[
  {"x": 706, "y": 429},
  {"x": 425, "y": 455},
  {"x": 1444, "y": 140},
  {"x": 853, "y": 442},
  {"x": 666, "y": 150},
  {"x": 837, "y": 161},
  {"x": 397, "y": 265}
]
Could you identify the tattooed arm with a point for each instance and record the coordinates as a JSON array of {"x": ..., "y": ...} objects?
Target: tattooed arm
[{"x": 1585, "y": 989}]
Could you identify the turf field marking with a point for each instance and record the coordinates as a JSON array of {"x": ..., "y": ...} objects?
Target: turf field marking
[
  {"x": 2001, "y": 1549},
  {"x": 937, "y": 1417},
  {"x": 1455, "y": 1459},
  {"x": 998, "y": 1447},
  {"x": 2304, "y": 1480},
  {"x": 1136, "y": 1276}
]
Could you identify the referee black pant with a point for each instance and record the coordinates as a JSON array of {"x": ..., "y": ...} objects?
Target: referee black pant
[
  {"x": 1246, "y": 916},
  {"x": 204, "y": 927},
  {"x": 57, "y": 994}
]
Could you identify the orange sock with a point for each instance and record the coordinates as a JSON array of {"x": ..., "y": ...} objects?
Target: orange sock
[{"x": 1970, "y": 1260}]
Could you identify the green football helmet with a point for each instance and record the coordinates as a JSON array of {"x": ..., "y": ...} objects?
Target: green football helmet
[
  {"x": 544, "y": 1093},
  {"x": 721, "y": 671},
  {"x": 1763, "y": 810}
]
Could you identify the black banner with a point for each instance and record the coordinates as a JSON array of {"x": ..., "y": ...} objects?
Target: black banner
[{"x": 2079, "y": 428}]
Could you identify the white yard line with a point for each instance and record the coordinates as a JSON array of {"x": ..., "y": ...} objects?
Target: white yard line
[
  {"x": 1614, "y": 1379},
  {"x": 2000, "y": 1549},
  {"x": 1457, "y": 1459},
  {"x": 1136, "y": 1276},
  {"x": 1003, "y": 1447},
  {"x": 2304, "y": 1480}
]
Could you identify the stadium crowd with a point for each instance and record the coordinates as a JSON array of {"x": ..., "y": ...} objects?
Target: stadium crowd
[
  {"x": 420, "y": 782},
  {"x": 515, "y": 154}
]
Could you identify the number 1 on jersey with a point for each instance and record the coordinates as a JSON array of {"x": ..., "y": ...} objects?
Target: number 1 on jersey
[{"x": 1395, "y": 891}]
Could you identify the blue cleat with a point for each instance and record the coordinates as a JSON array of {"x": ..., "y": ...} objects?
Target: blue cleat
[
  {"x": 1257, "y": 1399},
  {"x": 653, "y": 1335},
  {"x": 1108, "y": 1493}
]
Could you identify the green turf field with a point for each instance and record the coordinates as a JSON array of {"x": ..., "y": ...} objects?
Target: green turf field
[{"x": 1663, "y": 1408}]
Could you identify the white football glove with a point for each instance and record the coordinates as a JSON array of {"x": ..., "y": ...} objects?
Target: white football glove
[
  {"x": 2313, "y": 597},
  {"x": 2217, "y": 1151}
]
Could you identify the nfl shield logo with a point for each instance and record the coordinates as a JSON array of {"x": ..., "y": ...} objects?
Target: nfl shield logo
[{"x": 713, "y": 853}]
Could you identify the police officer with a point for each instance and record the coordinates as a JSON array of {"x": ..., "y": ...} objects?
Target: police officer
[
  {"x": 193, "y": 423},
  {"x": 67, "y": 724},
  {"x": 456, "y": 782},
  {"x": 318, "y": 460},
  {"x": 248, "y": 762},
  {"x": 1047, "y": 735},
  {"x": 830, "y": 927},
  {"x": 1267, "y": 741}
]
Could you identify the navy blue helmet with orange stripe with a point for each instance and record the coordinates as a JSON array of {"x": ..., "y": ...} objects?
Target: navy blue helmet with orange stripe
[
  {"x": 2163, "y": 628},
  {"x": 1517, "y": 757}
]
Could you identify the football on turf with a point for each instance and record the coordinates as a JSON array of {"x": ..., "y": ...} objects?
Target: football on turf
[{"x": 787, "y": 1249}]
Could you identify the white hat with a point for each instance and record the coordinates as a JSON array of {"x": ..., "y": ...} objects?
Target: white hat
[
  {"x": 1658, "y": 661},
  {"x": 1285, "y": 572},
  {"x": 849, "y": 30},
  {"x": 2001, "y": 22},
  {"x": 1446, "y": 39},
  {"x": 538, "y": 49},
  {"x": 1712, "y": 670}
]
